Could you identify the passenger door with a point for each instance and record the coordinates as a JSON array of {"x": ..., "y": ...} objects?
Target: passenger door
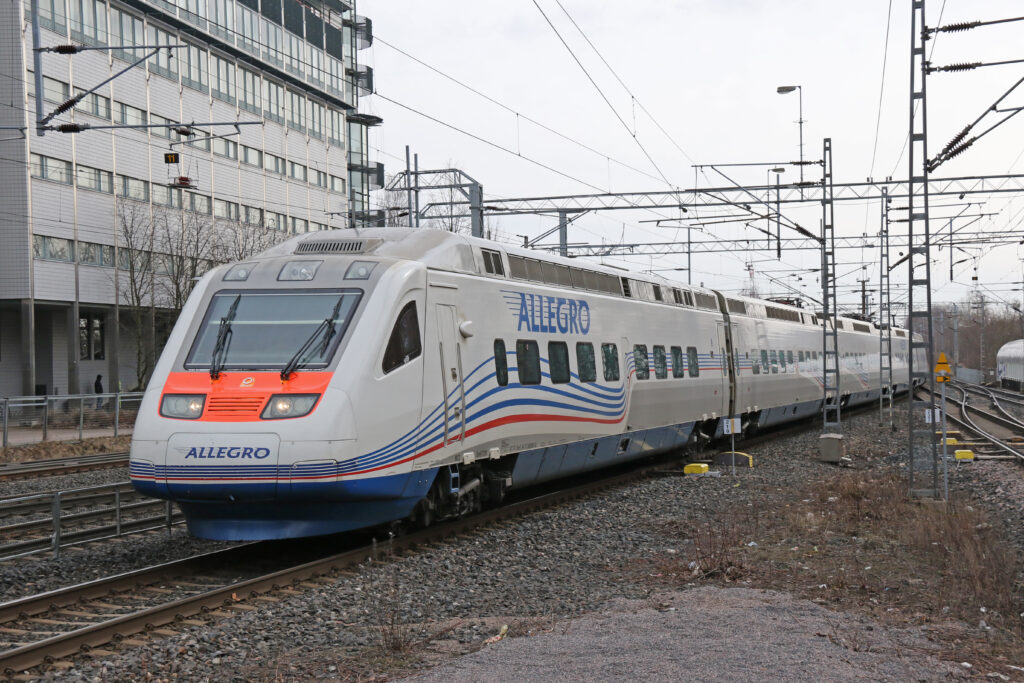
[
  {"x": 728, "y": 366},
  {"x": 452, "y": 387}
]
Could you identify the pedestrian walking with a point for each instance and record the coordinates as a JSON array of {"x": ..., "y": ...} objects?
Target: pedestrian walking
[{"x": 98, "y": 386}]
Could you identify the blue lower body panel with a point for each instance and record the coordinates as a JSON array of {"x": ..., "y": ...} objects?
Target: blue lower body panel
[
  {"x": 553, "y": 462},
  {"x": 235, "y": 512}
]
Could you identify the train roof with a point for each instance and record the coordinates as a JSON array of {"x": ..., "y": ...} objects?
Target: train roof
[{"x": 448, "y": 251}]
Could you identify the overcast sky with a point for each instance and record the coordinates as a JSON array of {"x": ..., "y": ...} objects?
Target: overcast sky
[{"x": 707, "y": 71}]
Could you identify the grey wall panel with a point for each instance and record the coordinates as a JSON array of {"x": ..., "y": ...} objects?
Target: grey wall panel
[
  {"x": 54, "y": 281},
  {"x": 96, "y": 284},
  {"x": 96, "y": 217}
]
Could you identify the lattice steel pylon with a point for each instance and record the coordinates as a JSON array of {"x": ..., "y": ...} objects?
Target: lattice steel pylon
[
  {"x": 922, "y": 441},
  {"x": 830, "y": 340},
  {"x": 885, "y": 406}
]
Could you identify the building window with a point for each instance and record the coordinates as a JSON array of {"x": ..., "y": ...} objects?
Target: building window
[
  {"x": 48, "y": 168},
  {"x": 222, "y": 18},
  {"x": 198, "y": 203},
  {"x": 89, "y": 21},
  {"x": 299, "y": 225},
  {"x": 297, "y": 171},
  {"x": 253, "y": 215},
  {"x": 337, "y": 184},
  {"x": 336, "y": 76},
  {"x": 315, "y": 116},
  {"x": 94, "y": 104},
  {"x": 125, "y": 29},
  {"x": 167, "y": 196},
  {"x": 318, "y": 178},
  {"x": 276, "y": 221},
  {"x": 193, "y": 67},
  {"x": 273, "y": 101},
  {"x": 92, "y": 254},
  {"x": 248, "y": 30},
  {"x": 225, "y": 209},
  {"x": 271, "y": 42},
  {"x": 296, "y": 111},
  {"x": 163, "y": 62},
  {"x": 315, "y": 61},
  {"x": 222, "y": 76},
  {"x": 132, "y": 188},
  {"x": 193, "y": 11},
  {"x": 95, "y": 179},
  {"x": 336, "y": 127},
  {"x": 166, "y": 129},
  {"x": 55, "y": 91},
  {"x": 51, "y": 15},
  {"x": 225, "y": 148},
  {"x": 249, "y": 91},
  {"x": 128, "y": 115},
  {"x": 252, "y": 156},
  {"x": 293, "y": 53},
  {"x": 53, "y": 248},
  {"x": 274, "y": 163},
  {"x": 91, "y": 337}
]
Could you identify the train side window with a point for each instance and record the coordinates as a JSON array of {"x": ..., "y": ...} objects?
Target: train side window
[
  {"x": 640, "y": 361},
  {"x": 678, "y": 367},
  {"x": 586, "y": 364},
  {"x": 528, "y": 361},
  {"x": 610, "y": 359},
  {"x": 789, "y": 357},
  {"x": 500, "y": 362},
  {"x": 692, "y": 361},
  {"x": 755, "y": 366},
  {"x": 404, "y": 344},
  {"x": 774, "y": 357},
  {"x": 558, "y": 362},
  {"x": 660, "y": 365},
  {"x": 764, "y": 363},
  {"x": 800, "y": 356},
  {"x": 782, "y": 361},
  {"x": 492, "y": 262}
]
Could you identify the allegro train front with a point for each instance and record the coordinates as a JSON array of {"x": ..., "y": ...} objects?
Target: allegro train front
[{"x": 342, "y": 380}]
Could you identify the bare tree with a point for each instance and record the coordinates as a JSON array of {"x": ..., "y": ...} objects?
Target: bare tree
[
  {"x": 135, "y": 282},
  {"x": 187, "y": 246},
  {"x": 237, "y": 241}
]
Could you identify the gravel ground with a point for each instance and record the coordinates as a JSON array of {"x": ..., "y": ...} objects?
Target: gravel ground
[
  {"x": 706, "y": 634},
  {"x": 547, "y": 568}
]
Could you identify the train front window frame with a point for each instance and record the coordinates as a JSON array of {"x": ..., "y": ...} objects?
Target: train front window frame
[{"x": 267, "y": 329}]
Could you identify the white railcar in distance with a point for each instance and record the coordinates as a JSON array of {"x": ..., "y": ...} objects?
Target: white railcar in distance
[
  {"x": 346, "y": 379},
  {"x": 1010, "y": 365}
]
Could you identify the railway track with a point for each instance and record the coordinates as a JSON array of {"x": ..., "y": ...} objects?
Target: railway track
[
  {"x": 44, "y": 628},
  {"x": 1004, "y": 433},
  {"x": 57, "y": 466}
]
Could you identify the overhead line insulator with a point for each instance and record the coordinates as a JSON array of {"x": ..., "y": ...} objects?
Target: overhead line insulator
[
  {"x": 963, "y": 66},
  {"x": 958, "y": 26}
]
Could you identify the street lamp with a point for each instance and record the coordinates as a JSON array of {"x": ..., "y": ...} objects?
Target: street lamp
[{"x": 785, "y": 90}]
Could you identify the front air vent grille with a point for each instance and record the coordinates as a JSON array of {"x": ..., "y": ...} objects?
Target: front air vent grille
[
  {"x": 330, "y": 247},
  {"x": 235, "y": 406}
]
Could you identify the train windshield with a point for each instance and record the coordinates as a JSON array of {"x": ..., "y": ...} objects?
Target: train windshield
[{"x": 268, "y": 328}]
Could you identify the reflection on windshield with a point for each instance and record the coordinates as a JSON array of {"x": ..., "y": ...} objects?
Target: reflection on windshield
[{"x": 269, "y": 326}]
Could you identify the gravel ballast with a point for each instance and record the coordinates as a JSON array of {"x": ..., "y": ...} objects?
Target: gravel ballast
[{"x": 548, "y": 568}]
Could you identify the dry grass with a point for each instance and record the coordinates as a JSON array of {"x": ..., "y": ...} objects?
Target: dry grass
[{"x": 856, "y": 541}]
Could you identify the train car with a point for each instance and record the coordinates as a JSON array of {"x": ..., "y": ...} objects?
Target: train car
[
  {"x": 347, "y": 379},
  {"x": 1010, "y": 365}
]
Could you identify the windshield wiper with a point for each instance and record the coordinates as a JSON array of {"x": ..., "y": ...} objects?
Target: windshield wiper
[
  {"x": 224, "y": 333},
  {"x": 327, "y": 325}
]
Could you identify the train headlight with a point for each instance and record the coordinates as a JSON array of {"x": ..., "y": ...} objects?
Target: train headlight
[
  {"x": 289, "y": 405},
  {"x": 299, "y": 270},
  {"x": 182, "y": 406}
]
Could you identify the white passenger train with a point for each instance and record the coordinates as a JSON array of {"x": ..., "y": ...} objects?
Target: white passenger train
[
  {"x": 346, "y": 379},
  {"x": 1010, "y": 365}
]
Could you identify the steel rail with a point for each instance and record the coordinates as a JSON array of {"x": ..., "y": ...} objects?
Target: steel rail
[
  {"x": 27, "y": 507},
  {"x": 985, "y": 391},
  {"x": 77, "y": 463},
  {"x": 81, "y": 640},
  {"x": 965, "y": 422}
]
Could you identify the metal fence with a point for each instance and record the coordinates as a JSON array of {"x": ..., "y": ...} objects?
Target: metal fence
[
  {"x": 56, "y": 519},
  {"x": 31, "y": 419}
]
